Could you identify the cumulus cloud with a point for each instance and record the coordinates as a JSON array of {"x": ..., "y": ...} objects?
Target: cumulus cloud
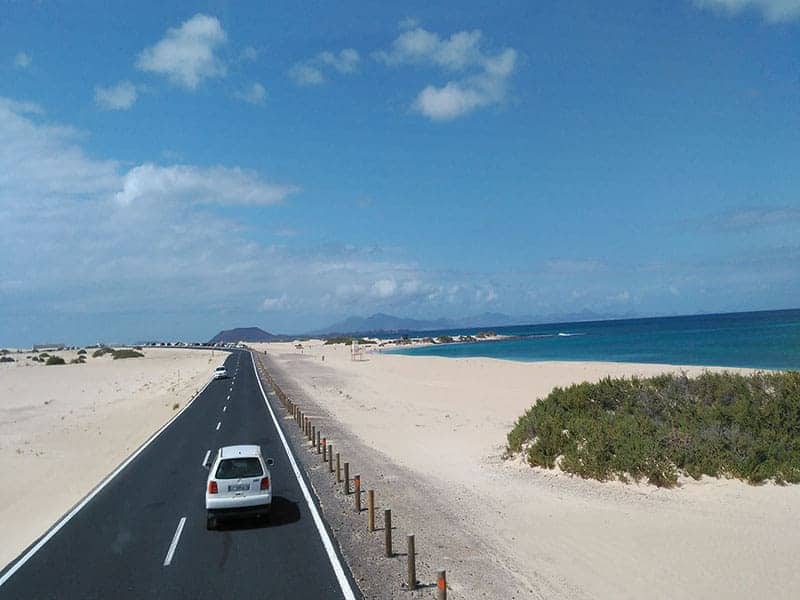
[
  {"x": 482, "y": 77},
  {"x": 190, "y": 184},
  {"x": 312, "y": 71},
  {"x": 278, "y": 303},
  {"x": 117, "y": 97},
  {"x": 22, "y": 60},
  {"x": 253, "y": 94},
  {"x": 187, "y": 54},
  {"x": 773, "y": 11}
]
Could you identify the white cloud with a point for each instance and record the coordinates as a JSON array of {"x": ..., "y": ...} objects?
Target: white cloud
[
  {"x": 384, "y": 288},
  {"x": 186, "y": 55},
  {"x": 773, "y": 11},
  {"x": 254, "y": 94},
  {"x": 482, "y": 77},
  {"x": 22, "y": 60},
  {"x": 278, "y": 303},
  {"x": 186, "y": 183},
  {"x": 312, "y": 71},
  {"x": 118, "y": 97},
  {"x": 344, "y": 62}
]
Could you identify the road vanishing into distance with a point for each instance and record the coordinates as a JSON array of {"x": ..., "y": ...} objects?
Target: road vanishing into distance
[{"x": 142, "y": 533}]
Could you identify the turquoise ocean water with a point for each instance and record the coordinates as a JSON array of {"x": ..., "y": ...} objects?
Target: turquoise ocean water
[{"x": 764, "y": 340}]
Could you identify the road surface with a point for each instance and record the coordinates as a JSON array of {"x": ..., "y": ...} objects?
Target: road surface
[{"x": 143, "y": 535}]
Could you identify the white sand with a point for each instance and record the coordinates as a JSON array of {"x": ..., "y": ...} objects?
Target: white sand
[
  {"x": 64, "y": 428},
  {"x": 448, "y": 419}
]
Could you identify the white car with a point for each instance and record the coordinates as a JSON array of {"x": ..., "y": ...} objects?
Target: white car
[
  {"x": 220, "y": 373},
  {"x": 239, "y": 484}
]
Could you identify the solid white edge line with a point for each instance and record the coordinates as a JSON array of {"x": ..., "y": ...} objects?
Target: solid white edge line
[
  {"x": 174, "y": 543},
  {"x": 66, "y": 518},
  {"x": 205, "y": 460},
  {"x": 338, "y": 569},
  {"x": 218, "y": 424}
]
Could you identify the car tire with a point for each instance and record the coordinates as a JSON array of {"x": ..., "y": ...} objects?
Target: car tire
[{"x": 211, "y": 522}]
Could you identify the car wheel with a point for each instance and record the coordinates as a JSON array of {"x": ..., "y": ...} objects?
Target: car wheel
[{"x": 211, "y": 522}]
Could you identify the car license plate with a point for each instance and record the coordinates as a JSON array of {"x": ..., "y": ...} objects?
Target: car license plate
[{"x": 238, "y": 487}]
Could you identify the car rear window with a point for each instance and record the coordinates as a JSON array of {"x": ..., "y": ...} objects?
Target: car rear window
[{"x": 237, "y": 468}]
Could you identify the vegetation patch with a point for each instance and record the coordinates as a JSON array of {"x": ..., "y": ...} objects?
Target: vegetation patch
[
  {"x": 717, "y": 424},
  {"x": 102, "y": 351},
  {"x": 126, "y": 353},
  {"x": 82, "y": 351},
  {"x": 55, "y": 360},
  {"x": 4, "y": 359},
  {"x": 444, "y": 339}
]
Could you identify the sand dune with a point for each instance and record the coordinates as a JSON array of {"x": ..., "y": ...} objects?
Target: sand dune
[
  {"x": 561, "y": 536},
  {"x": 71, "y": 425}
]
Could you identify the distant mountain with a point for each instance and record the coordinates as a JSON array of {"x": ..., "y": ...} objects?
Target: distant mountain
[
  {"x": 383, "y": 323},
  {"x": 245, "y": 334}
]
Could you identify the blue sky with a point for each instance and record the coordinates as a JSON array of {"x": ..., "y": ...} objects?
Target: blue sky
[{"x": 168, "y": 172}]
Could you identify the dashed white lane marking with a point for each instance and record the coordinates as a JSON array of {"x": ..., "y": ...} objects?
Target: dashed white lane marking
[
  {"x": 218, "y": 424},
  {"x": 225, "y": 408},
  {"x": 229, "y": 397},
  {"x": 174, "y": 543},
  {"x": 68, "y": 517},
  {"x": 205, "y": 460}
]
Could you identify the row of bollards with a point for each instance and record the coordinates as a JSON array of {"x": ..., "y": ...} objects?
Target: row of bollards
[{"x": 321, "y": 445}]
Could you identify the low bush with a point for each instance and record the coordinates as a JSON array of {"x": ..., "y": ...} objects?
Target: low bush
[
  {"x": 55, "y": 360},
  {"x": 718, "y": 424},
  {"x": 102, "y": 351},
  {"x": 82, "y": 351},
  {"x": 6, "y": 359},
  {"x": 126, "y": 353},
  {"x": 444, "y": 339}
]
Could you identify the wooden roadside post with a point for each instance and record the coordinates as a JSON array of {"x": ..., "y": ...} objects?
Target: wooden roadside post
[
  {"x": 319, "y": 443},
  {"x": 387, "y": 532},
  {"x": 412, "y": 564},
  {"x": 324, "y": 449},
  {"x": 330, "y": 457},
  {"x": 347, "y": 478},
  {"x": 313, "y": 434},
  {"x": 371, "y": 509},
  {"x": 338, "y": 470},
  {"x": 441, "y": 585},
  {"x": 357, "y": 491}
]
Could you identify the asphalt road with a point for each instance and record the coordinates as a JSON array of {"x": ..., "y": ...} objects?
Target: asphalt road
[{"x": 117, "y": 545}]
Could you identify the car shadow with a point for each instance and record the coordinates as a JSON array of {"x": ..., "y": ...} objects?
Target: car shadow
[{"x": 283, "y": 512}]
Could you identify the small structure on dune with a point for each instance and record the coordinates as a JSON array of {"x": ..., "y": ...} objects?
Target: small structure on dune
[{"x": 356, "y": 351}]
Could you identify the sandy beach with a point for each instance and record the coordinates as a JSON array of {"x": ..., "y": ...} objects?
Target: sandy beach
[
  {"x": 557, "y": 535},
  {"x": 70, "y": 425}
]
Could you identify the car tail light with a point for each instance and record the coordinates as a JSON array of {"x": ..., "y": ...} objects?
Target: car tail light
[
  {"x": 265, "y": 483},
  {"x": 212, "y": 487}
]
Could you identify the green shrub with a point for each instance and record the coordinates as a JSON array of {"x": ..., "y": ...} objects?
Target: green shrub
[
  {"x": 444, "y": 339},
  {"x": 6, "y": 359},
  {"x": 82, "y": 351},
  {"x": 102, "y": 351},
  {"x": 746, "y": 427},
  {"x": 126, "y": 353},
  {"x": 55, "y": 360}
]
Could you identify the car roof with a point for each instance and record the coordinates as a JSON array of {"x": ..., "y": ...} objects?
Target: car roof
[{"x": 241, "y": 450}]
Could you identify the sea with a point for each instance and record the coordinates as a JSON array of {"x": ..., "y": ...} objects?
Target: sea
[{"x": 767, "y": 340}]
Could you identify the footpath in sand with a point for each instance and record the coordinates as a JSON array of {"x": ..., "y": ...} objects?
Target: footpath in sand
[
  {"x": 63, "y": 428},
  {"x": 557, "y": 536}
]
